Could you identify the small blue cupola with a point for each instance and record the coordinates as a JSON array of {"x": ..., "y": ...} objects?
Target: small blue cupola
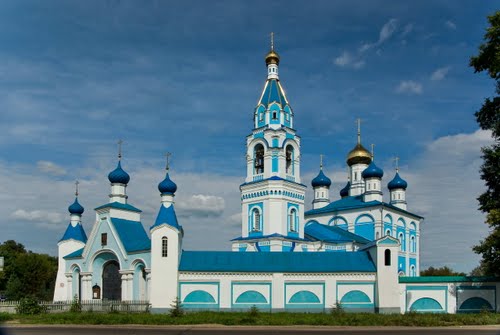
[
  {"x": 345, "y": 191},
  {"x": 75, "y": 229},
  {"x": 167, "y": 186},
  {"x": 321, "y": 180},
  {"x": 372, "y": 171},
  {"x": 118, "y": 175},
  {"x": 397, "y": 183},
  {"x": 75, "y": 208}
]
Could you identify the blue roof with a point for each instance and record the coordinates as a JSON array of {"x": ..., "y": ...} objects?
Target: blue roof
[
  {"x": 132, "y": 235},
  {"x": 345, "y": 191},
  {"x": 289, "y": 262},
  {"x": 321, "y": 180},
  {"x": 331, "y": 234},
  {"x": 167, "y": 215},
  {"x": 119, "y": 205},
  {"x": 76, "y": 208},
  {"x": 353, "y": 202},
  {"x": 268, "y": 236},
  {"x": 273, "y": 92},
  {"x": 167, "y": 186},
  {"x": 75, "y": 254},
  {"x": 74, "y": 233},
  {"x": 397, "y": 182},
  {"x": 119, "y": 175},
  {"x": 372, "y": 171}
]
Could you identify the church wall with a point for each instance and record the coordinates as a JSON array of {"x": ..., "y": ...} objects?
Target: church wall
[
  {"x": 431, "y": 296},
  {"x": 279, "y": 291}
]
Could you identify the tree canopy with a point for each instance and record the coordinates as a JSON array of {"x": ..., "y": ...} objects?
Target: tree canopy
[
  {"x": 26, "y": 274},
  {"x": 442, "y": 271},
  {"x": 488, "y": 118}
]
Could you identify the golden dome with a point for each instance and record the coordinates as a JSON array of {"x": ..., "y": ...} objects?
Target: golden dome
[
  {"x": 359, "y": 155},
  {"x": 272, "y": 57}
]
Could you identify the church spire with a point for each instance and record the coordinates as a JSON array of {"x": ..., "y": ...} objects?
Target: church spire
[{"x": 272, "y": 61}]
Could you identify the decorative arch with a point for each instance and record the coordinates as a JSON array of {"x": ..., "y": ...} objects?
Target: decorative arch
[
  {"x": 338, "y": 221},
  {"x": 255, "y": 219},
  {"x": 364, "y": 225},
  {"x": 413, "y": 226},
  {"x": 388, "y": 219},
  {"x": 401, "y": 223},
  {"x": 251, "y": 297},
  {"x": 475, "y": 304},
  {"x": 355, "y": 296},
  {"x": 106, "y": 255},
  {"x": 293, "y": 219},
  {"x": 199, "y": 296},
  {"x": 290, "y": 159},
  {"x": 426, "y": 305},
  {"x": 304, "y": 297},
  {"x": 310, "y": 222}
]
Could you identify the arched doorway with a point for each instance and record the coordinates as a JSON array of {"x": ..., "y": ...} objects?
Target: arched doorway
[{"x": 111, "y": 281}]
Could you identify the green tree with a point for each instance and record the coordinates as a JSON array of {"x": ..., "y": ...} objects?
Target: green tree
[
  {"x": 442, "y": 271},
  {"x": 488, "y": 118},
  {"x": 27, "y": 274}
]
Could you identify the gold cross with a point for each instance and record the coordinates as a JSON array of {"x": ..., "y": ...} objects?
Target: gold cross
[
  {"x": 373, "y": 154},
  {"x": 358, "y": 121},
  {"x": 272, "y": 40},
  {"x": 76, "y": 186},
  {"x": 321, "y": 161}
]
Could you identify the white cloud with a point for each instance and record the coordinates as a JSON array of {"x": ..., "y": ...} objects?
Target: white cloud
[
  {"x": 409, "y": 86},
  {"x": 39, "y": 216},
  {"x": 344, "y": 59},
  {"x": 451, "y": 25},
  {"x": 347, "y": 60},
  {"x": 440, "y": 73},
  {"x": 387, "y": 30},
  {"x": 50, "y": 168},
  {"x": 407, "y": 29},
  {"x": 443, "y": 187},
  {"x": 201, "y": 205}
]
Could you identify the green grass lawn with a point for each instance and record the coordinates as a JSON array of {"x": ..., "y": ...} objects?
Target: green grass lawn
[{"x": 259, "y": 318}]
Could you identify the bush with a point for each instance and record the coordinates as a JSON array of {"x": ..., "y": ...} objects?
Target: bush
[
  {"x": 76, "y": 306},
  {"x": 337, "y": 309},
  {"x": 176, "y": 310},
  {"x": 30, "y": 306}
]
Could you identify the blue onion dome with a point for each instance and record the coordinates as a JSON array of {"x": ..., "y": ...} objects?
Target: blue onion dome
[
  {"x": 372, "y": 171},
  {"x": 321, "y": 180},
  {"x": 397, "y": 182},
  {"x": 76, "y": 208},
  {"x": 345, "y": 191},
  {"x": 118, "y": 175},
  {"x": 167, "y": 186}
]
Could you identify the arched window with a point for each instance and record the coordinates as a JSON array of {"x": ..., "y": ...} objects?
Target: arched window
[
  {"x": 387, "y": 257},
  {"x": 255, "y": 219},
  {"x": 388, "y": 232},
  {"x": 259, "y": 158},
  {"x": 401, "y": 241},
  {"x": 289, "y": 159},
  {"x": 413, "y": 245},
  {"x": 275, "y": 115},
  {"x": 164, "y": 246},
  {"x": 292, "y": 218}
]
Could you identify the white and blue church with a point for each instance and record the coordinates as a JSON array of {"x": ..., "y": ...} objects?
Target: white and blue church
[{"x": 351, "y": 249}]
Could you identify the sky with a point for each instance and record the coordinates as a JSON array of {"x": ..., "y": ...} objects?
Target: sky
[{"x": 184, "y": 77}]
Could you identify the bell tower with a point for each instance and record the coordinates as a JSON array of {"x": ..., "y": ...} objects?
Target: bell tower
[{"x": 272, "y": 197}]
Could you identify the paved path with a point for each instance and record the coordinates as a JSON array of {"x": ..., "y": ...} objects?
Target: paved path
[{"x": 215, "y": 330}]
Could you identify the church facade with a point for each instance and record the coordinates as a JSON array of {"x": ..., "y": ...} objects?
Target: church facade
[{"x": 352, "y": 250}]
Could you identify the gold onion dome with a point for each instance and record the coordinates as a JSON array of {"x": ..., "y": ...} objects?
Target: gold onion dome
[
  {"x": 272, "y": 57},
  {"x": 359, "y": 155}
]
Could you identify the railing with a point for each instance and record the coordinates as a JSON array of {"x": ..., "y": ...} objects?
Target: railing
[
  {"x": 258, "y": 177},
  {"x": 99, "y": 306}
]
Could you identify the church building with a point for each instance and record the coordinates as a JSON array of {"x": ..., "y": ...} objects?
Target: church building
[{"x": 352, "y": 249}]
